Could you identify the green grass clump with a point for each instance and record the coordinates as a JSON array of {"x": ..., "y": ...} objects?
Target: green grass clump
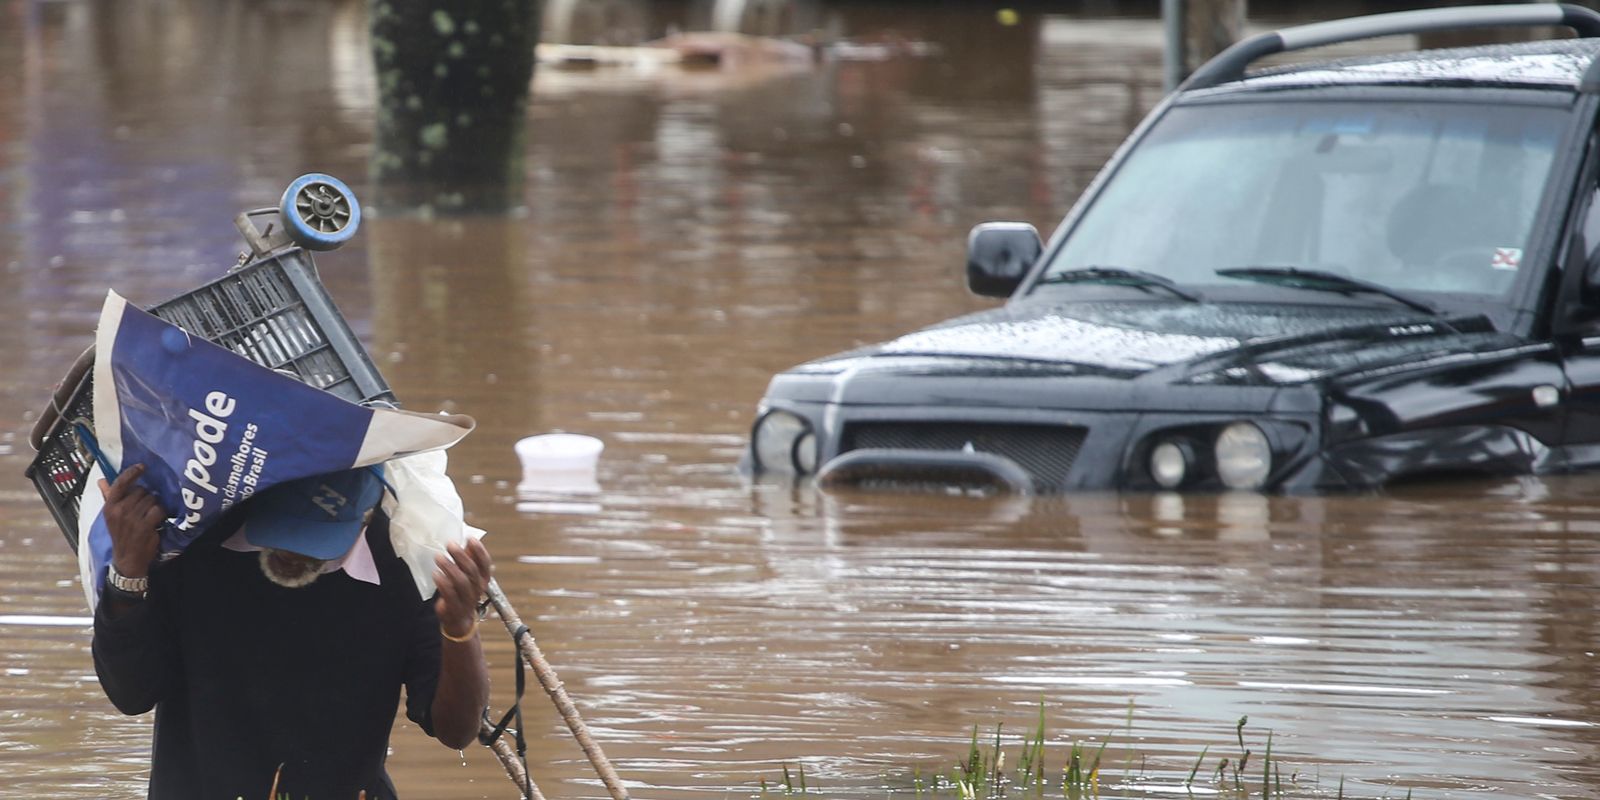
[{"x": 982, "y": 772}]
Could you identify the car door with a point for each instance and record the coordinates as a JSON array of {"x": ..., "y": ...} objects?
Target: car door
[{"x": 1575, "y": 322}]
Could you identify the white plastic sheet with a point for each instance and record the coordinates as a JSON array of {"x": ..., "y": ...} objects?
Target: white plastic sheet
[{"x": 425, "y": 513}]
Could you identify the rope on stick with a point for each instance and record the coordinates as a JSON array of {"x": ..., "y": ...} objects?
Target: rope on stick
[
  {"x": 515, "y": 769},
  {"x": 558, "y": 694}
]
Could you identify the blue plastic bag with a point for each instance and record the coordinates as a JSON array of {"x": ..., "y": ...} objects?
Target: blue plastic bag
[{"x": 213, "y": 428}]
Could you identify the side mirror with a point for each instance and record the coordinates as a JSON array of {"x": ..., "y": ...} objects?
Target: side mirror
[
  {"x": 1579, "y": 313},
  {"x": 999, "y": 254}
]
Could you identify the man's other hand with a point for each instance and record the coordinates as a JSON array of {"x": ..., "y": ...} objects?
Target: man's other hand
[{"x": 133, "y": 518}]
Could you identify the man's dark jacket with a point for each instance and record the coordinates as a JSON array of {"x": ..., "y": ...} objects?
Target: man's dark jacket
[{"x": 246, "y": 675}]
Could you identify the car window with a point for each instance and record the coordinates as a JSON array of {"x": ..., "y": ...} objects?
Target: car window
[{"x": 1428, "y": 196}]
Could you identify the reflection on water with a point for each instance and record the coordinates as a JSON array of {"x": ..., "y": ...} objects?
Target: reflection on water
[{"x": 683, "y": 237}]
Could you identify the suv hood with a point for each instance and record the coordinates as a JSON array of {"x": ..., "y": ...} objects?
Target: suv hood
[{"x": 1249, "y": 343}]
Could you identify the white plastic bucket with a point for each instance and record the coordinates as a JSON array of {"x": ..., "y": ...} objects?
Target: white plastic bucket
[{"x": 559, "y": 463}]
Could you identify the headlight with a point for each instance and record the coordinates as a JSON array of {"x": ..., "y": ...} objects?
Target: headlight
[
  {"x": 1244, "y": 456},
  {"x": 784, "y": 443},
  {"x": 1169, "y": 464}
]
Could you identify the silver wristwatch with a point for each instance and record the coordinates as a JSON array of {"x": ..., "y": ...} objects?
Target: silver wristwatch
[{"x": 133, "y": 587}]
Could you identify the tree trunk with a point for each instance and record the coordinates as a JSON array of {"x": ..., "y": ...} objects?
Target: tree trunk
[
  {"x": 1210, "y": 27},
  {"x": 453, "y": 83}
]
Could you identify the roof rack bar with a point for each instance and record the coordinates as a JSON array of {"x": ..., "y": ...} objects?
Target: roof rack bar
[{"x": 1229, "y": 65}]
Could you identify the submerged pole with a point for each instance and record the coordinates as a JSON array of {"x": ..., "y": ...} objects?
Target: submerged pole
[{"x": 1173, "y": 70}]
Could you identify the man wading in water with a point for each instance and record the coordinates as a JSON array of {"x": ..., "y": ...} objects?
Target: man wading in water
[{"x": 276, "y": 645}]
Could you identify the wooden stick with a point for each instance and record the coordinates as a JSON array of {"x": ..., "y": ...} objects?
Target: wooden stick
[
  {"x": 514, "y": 767},
  {"x": 558, "y": 694}
]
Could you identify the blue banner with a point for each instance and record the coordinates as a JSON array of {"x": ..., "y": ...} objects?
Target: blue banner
[{"x": 213, "y": 428}]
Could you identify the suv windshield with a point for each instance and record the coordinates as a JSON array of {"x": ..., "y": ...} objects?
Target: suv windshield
[{"x": 1428, "y": 196}]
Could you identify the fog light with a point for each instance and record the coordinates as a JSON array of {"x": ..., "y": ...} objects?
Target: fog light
[
  {"x": 1169, "y": 464},
  {"x": 1244, "y": 456},
  {"x": 775, "y": 443}
]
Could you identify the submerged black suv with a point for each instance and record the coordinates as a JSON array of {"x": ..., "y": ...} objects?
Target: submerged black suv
[{"x": 1306, "y": 278}]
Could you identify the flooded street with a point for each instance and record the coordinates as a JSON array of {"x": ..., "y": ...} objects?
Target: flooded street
[{"x": 684, "y": 236}]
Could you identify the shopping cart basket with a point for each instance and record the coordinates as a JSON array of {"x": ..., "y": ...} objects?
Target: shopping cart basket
[{"x": 271, "y": 308}]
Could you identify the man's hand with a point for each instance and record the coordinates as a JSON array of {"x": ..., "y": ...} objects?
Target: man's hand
[
  {"x": 462, "y": 579},
  {"x": 463, "y": 691},
  {"x": 133, "y": 518}
]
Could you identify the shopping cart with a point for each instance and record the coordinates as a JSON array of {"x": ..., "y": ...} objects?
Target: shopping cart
[{"x": 271, "y": 308}]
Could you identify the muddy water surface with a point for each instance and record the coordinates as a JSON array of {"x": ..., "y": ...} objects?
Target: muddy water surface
[{"x": 684, "y": 236}]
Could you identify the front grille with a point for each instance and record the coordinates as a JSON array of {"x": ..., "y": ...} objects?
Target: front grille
[{"x": 1046, "y": 452}]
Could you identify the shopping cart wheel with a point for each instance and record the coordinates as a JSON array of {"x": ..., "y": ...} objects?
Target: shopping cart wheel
[{"x": 319, "y": 211}]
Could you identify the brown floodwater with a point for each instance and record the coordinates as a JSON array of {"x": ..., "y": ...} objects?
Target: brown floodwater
[{"x": 684, "y": 236}]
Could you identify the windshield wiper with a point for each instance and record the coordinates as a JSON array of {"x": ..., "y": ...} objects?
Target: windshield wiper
[
  {"x": 1323, "y": 281},
  {"x": 1128, "y": 277}
]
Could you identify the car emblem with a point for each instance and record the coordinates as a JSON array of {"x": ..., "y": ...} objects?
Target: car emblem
[{"x": 968, "y": 448}]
